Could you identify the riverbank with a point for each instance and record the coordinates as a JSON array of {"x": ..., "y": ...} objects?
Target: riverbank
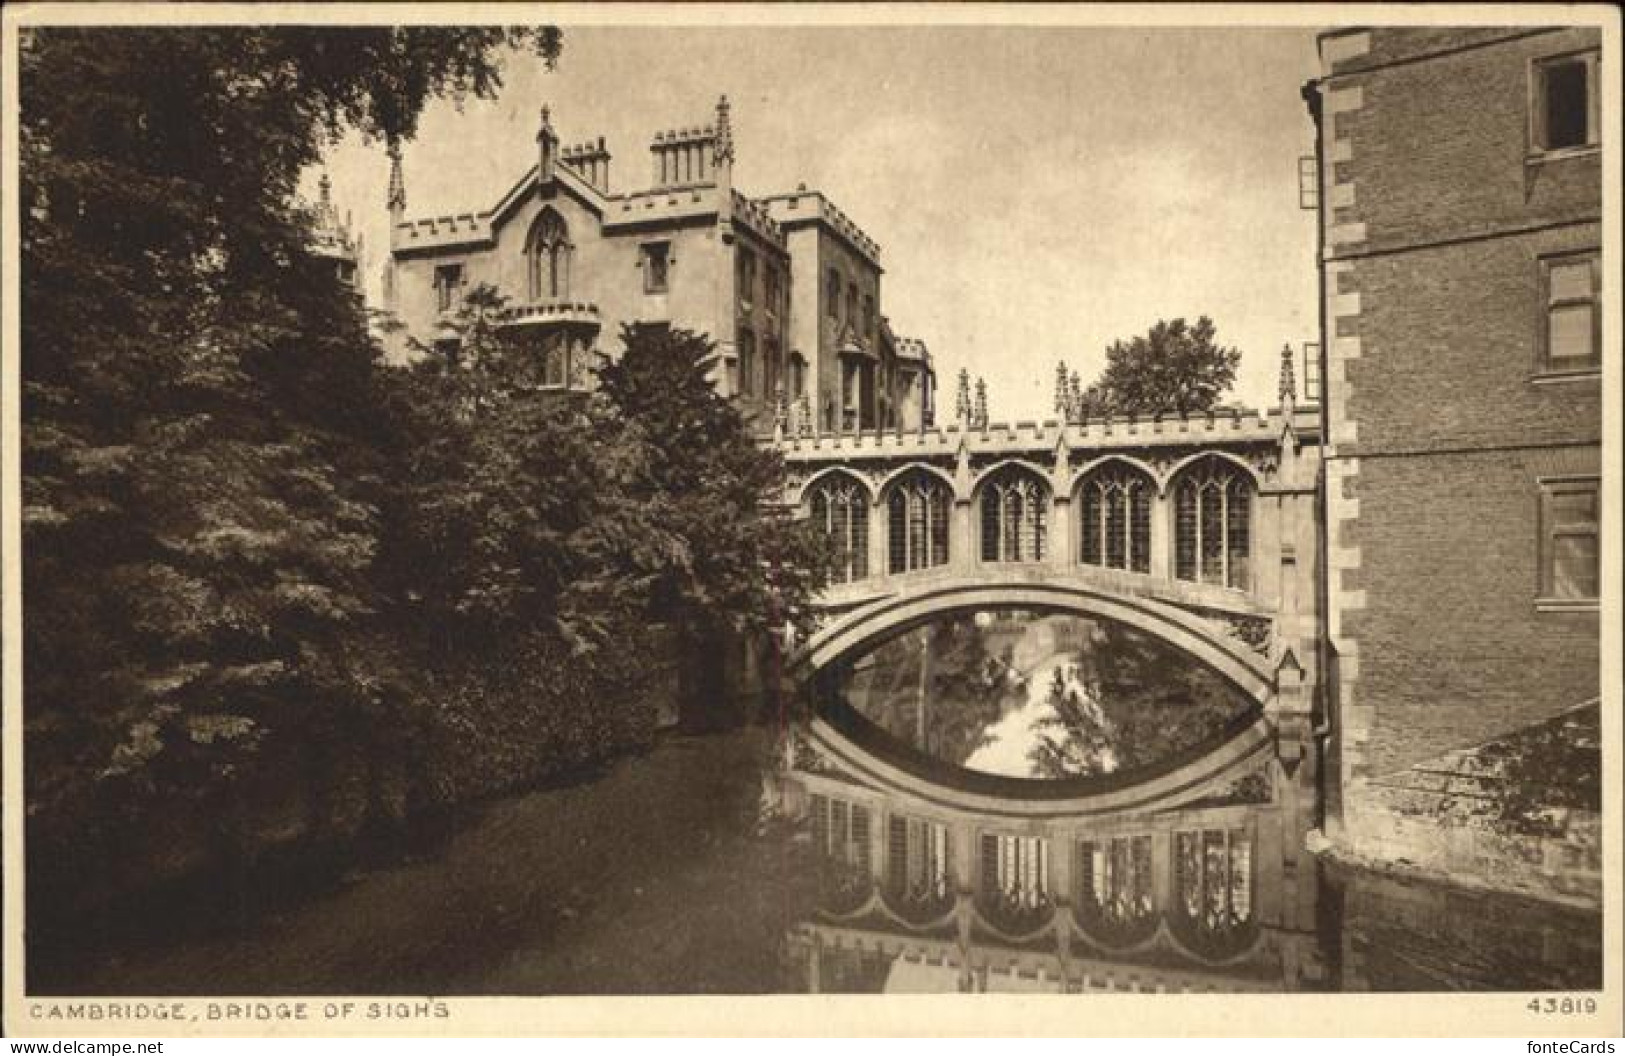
[{"x": 653, "y": 878}]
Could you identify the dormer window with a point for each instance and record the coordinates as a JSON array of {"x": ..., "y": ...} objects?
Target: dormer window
[{"x": 1564, "y": 111}]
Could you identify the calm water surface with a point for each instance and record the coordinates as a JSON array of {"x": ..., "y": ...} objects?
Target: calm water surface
[{"x": 710, "y": 865}]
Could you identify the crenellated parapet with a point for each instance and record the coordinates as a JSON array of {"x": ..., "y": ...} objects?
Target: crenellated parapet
[
  {"x": 1255, "y": 436},
  {"x": 912, "y": 349},
  {"x": 1214, "y": 515},
  {"x": 754, "y": 216},
  {"x": 803, "y": 206},
  {"x": 441, "y": 232},
  {"x": 548, "y": 313}
]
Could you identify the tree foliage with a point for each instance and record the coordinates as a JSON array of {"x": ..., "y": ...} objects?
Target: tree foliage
[
  {"x": 1176, "y": 368},
  {"x": 269, "y": 575},
  {"x": 204, "y": 447},
  {"x": 691, "y": 485}
]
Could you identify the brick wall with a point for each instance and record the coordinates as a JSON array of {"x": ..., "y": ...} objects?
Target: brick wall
[
  {"x": 1440, "y": 147},
  {"x": 1452, "y": 649},
  {"x": 1449, "y": 347},
  {"x": 1437, "y": 215}
]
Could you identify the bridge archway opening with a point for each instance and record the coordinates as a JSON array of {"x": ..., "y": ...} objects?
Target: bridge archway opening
[{"x": 1032, "y": 693}]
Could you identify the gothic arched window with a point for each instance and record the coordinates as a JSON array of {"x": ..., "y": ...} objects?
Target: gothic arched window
[
  {"x": 547, "y": 253},
  {"x": 1115, "y": 899},
  {"x": 1015, "y": 516},
  {"x": 555, "y": 361},
  {"x": 839, "y": 506},
  {"x": 1114, "y": 518},
  {"x": 1213, "y": 523},
  {"x": 917, "y": 509},
  {"x": 1213, "y": 889}
]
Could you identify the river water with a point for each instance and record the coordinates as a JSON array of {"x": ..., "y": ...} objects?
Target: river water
[{"x": 755, "y": 862}]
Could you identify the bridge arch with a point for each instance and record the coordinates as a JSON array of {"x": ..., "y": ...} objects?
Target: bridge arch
[
  {"x": 1185, "y": 779},
  {"x": 1243, "y": 668}
]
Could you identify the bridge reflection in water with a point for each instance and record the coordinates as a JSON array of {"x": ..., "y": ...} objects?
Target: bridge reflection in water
[{"x": 1022, "y": 800}]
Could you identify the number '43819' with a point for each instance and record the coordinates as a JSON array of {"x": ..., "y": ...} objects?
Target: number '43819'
[{"x": 1563, "y": 1006}]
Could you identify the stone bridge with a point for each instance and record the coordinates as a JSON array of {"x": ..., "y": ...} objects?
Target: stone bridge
[{"x": 1201, "y": 531}]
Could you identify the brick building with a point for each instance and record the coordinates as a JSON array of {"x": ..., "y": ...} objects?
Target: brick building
[
  {"x": 1461, "y": 203},
  {"x": 786, "y": 286}
]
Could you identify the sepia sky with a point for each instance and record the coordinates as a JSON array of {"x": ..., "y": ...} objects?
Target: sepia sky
[{"x": 1037, "y": 192}]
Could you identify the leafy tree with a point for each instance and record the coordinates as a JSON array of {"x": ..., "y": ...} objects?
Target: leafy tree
[
  {"x": 202, "y": 449},
  {"x": 496, "y": 476},
  {"x": 1174, "y": 369},
  {"x": 696, "y": 540}
]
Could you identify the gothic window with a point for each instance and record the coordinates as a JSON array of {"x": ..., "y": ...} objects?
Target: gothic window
[
  {"x": 852, "y": 305},
  {"x": 851, "y": 393},
  {"x": 1564, "y": 113},
  {"x": 1213, "y": 888},
  {"x": 747, "y": 362},
  {"x": 1114, "y": 518},
  {"x": 1570, "y": 573},
  {"x": 448, "y": 284},
  {"x": 798, "y": 374},
  {"x": 869, "y": 316},
  {"x": 839, "y": 506},
  {"x": 832, "y": 294},
  {"x": 1015, "y": 514},
  {"x": 917, "y": 857},
  {"x": 656, "y": 260},
  {"x": 747, "y": 279},
  {"x": 1015, "y": 872},
  {"x": 771, "y": 292},
  {"x": 841, "y": 831},
  {"x": 1572, "y": 330},
  {"x": 917, "y": 510},
  {"x": 1115, "y": 888},
  {"x": 771, "y": 367},
  {"x": 547, "y": 252},
  {"x": 555, "y": 361},
  {"x": 1213, "y": 523}
]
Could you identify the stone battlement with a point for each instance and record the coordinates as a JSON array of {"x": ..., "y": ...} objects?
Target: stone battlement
[
  {"x": 434, "y": 230},
  {"x": 1222, "y": 427},
  {"x": 912, "y": 348},
  {"x": 549, "y": 312},
  {"x": 754, "y": 215},
  {"x": 803, "y": 206}
]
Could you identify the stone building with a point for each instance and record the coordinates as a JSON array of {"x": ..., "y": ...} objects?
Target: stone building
[
  {"x": 332, "y": 239},
  {"x": 786, "y": 285},
  {"x": 1461, "y": 202}
]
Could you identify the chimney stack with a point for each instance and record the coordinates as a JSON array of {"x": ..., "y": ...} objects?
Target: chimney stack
[{"x": 590, "y": 161}]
